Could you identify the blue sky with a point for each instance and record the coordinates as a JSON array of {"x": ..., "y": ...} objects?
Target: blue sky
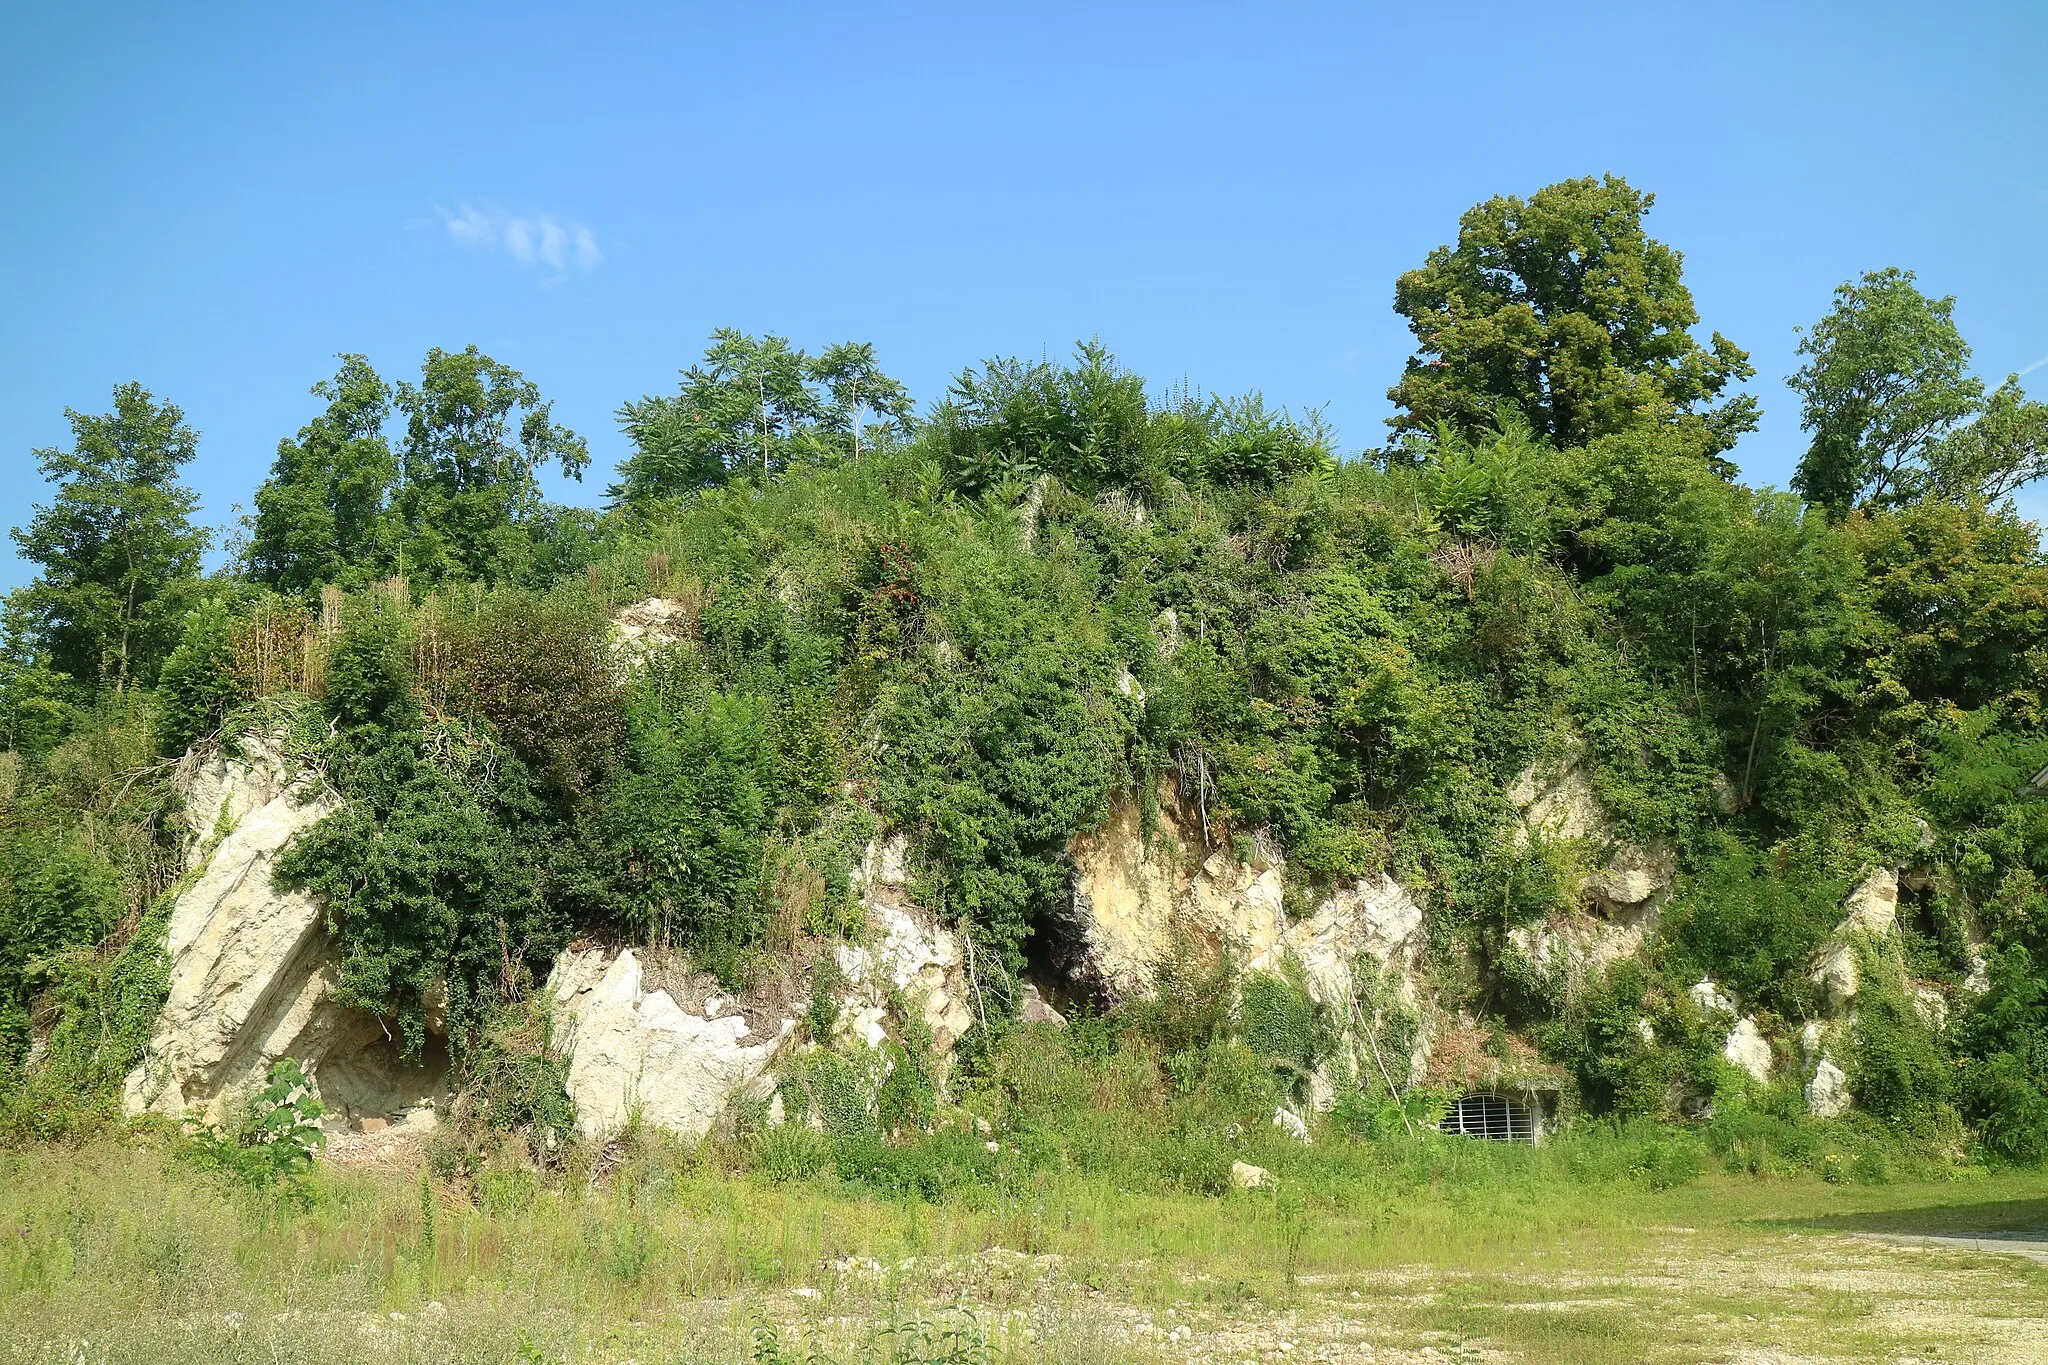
[{"x": 217, "y": 205}]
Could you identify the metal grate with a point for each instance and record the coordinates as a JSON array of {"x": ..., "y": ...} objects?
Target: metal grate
[{"x": 1492, "y": 1117}]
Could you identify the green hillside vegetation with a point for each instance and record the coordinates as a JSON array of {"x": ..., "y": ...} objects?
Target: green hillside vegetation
[{"x": 932, "y": 620}]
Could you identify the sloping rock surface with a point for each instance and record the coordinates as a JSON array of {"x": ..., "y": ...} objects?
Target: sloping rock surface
[{"x": 251, "y": 975}]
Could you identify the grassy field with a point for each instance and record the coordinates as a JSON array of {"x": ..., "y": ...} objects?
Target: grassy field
[{"x": 120, "y": 1251}]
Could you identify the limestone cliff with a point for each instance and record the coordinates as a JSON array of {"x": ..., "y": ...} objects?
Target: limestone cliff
[{"x": 251, "y": 974}]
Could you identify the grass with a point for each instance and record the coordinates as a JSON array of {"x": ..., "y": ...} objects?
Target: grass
[{"x": 119, "y": 1251}]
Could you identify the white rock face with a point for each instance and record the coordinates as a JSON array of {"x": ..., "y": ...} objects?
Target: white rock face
[
  {"x": 643, "y": 628},
  {"x": 1836, "y": 972},
  {"x": 1827, "y": 1094},
  {"x": 1582, "y": 947},
  {"x": 1376, "y": 916},
  {"x": 636, "y": 1052},
  {"x": 1127, "y": 685},
  {"x": 1711, "y": 998},
  {"x": 908, "y": 952},
  {"x": 1873, "y": 906},
  {"x": 1931, "y": 1005},
  {"x": 1747, "y": 1048},
  {"x": 251, "y": 972},
  {"x": 1134, "y": 898},
  {"x": 1870, "y": 911},
  {"x": 1555, "y": 802}
]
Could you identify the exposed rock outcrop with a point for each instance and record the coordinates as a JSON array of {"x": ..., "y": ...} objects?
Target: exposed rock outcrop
[
  {"x": 908, "y": 955},
  {"x": 252, "y": 976},
  {"x": 1711, "y": 998},
  {"x": 1555, "y": 801},
  {"x": 1827, "y": 1093},
  {"x": 636, "y": 1053},
  {"x": 1747, "y": 1049},
  {"x": 650, "y": 624},
  {"x": 1870, "y": 913},
  {"x": 1136, "y": 898}
]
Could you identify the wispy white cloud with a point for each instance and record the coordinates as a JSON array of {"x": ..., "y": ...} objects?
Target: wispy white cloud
[{"x": 542, "y": 243}]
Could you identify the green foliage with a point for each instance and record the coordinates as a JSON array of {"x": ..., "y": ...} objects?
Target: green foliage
[
  {"x": 1883, "y": 385},
  {"x": 2003, "y": 1085},
  {"x": 515, "y": 1078},
  {"x": 692, "y": 813},
  {"x": 1562, "y": 308},
  {"x": 437, "y": 872},
  {"x": 755, "y": 405},
  {"x": 1092, "y": 426},
  {"x": 458, "y": 497},
  {"x": 56, "y": 897},
  {"x": 477, "y": 433},
  {"x": 1898, "y": 1069},
  {"x": 323, "y": 514},
  {"x": 1601, "y": 1038},
  {"x": 198, "y": 685},
  {"x": 1751, "y": 926},
  {"x": 542, "y": 672},
  {"x": 1279, "y": 1021},
  {"x": 116, "y": 544},
  {"x": 279, "y": 1134}
]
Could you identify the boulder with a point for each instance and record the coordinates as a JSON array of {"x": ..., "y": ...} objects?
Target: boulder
[
  {"x": 1748, "y": 1049},
  {"x": 1245, "y": 1176},
  {"x": 1827, "y": 1093},
  {"x": 1292, "y": 1124},
  {"x": 1034, "y": 1008},
  {"x": 1837, "y": 973},
  {"x": 251, "y": 971},
  {"x": 636, "y": 1053}
]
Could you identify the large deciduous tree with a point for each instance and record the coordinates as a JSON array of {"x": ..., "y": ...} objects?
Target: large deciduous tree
[
  {"x": 116, "y": 543},
  {"x": 1561, "y": 307},
  {"x": 321, "y": 516},
  {"x": 1894, "y": 412},
  {"x": 477, "y": 433},
  {"x": 1886, "y": 380}
]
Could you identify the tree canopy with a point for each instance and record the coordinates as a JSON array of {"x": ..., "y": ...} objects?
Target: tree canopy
[
  {"x": 116, "y": 543},
  {"x": 755, "y": 405},
  {"x": 1893, "y": 410},
  {"x": 458, "y": 496},
  {"x": 1562, "y": 308}
]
